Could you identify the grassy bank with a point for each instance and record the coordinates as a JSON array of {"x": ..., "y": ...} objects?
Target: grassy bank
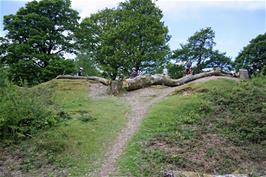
[
  {"x": 73, "y": 147},
  {"x": 216, "y": 127}
]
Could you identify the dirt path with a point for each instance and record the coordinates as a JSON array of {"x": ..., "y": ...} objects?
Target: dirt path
[{"x": 140, "y": 102}]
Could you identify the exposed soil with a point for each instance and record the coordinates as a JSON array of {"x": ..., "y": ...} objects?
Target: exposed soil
[{"x": 140, "y": 102}]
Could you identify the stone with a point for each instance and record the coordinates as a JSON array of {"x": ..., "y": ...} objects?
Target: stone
[
  {"x": 116, "y": 87},
  {"x": 243, "y": 74}
]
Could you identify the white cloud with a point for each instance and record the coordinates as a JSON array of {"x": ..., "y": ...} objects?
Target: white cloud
[
  {"x": 174, "y": 7},
  {"x": 87, "y": 7},
  {"x": 179, "y": 8}
]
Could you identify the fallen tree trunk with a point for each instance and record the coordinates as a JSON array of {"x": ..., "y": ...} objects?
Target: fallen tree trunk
[
  {"x": 159, "y": 79},
  {"x": 93, "y": 78},
  {"x": 115, "y": 87}
]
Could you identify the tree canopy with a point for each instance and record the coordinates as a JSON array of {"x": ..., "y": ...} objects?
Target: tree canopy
[
  {"x": 89, "y": 66},
  {"x": 199, "y": 50},
  {"x": 129, "y": 36},
  {"x": 175, "y": 71},
  {"x": 112, "y": 43},
  {"x": 39, "y": 34},
  {"x": 253, "y": 56}
]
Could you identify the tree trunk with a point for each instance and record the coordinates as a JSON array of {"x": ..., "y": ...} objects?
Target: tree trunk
[
  {"x": 159, "y": 79},
  {"x": 116, "y": 86},
  {"x": 93, "y": 78},
  {"x": 146, "y": 80}
]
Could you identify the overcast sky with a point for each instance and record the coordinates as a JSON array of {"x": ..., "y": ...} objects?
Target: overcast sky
[{"x": 234, "y": 22}]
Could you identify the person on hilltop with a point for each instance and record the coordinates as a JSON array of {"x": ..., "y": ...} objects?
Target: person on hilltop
[
  {"x": 80, "y": 73},
  {"x": 188, "y": 68},
  {"x": 165, "y": 71},
  {"x": 134, "y": 73}
]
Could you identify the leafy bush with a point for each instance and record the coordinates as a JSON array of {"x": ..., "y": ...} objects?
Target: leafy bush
[{"x": 23, "y": 111}]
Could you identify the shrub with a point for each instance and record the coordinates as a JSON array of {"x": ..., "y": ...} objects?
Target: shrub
[
  {"x": 245, "y": 104},
  {"x": 3, "y": 78},
  {"x": 23, "y": 111}
]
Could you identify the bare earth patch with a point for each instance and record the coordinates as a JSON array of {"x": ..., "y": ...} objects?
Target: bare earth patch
[{"x": 140, "y": 102}]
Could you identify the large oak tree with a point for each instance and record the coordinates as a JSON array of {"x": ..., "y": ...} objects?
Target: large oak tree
[
  {"x": 129, "y": 36},
  {"x": 39, "y": 35}
]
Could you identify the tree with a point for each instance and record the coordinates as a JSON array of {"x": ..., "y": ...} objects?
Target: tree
[
  {"x": 199, "y": 51},
  {"x": 39, "y": 35},
  {"x": 144, "y": 35},
  {"x": 3, "y": 46},
  {"x": 175, "y": 71},
  {"x": 219, "y": 60},
  {"x": 98, "y": 36},
  {"x": 130, "y": 36},
  {"x": 253, "y": 56},
  {"x": 88, "y": 64}
]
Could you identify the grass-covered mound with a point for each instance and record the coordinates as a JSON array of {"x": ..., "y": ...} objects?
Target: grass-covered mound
[
  {"x": 216, "y": 127},
  {"x": 73, "y": 146}
]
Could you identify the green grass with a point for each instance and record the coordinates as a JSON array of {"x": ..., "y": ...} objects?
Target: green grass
[
  {"x": 76, "y": 146},
  {"x": 216, "y": 127}
]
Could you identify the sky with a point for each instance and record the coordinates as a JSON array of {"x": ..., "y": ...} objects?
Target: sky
[{"x": 235, "y": 22}]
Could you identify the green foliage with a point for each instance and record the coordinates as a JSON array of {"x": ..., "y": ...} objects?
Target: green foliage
[
  {"x": 88, "y": 64},
  {"x": 202, "y": 132},
  {"x": 98, "y": 35},
  {"x": 131, "y": 35},
  {"x": 219, "y": 60},
  {"x": 23, "y": 112},
  {"x": 3, "y": 46},
  {"x": 175, "y": 71},
  {"x": 39, "y": 34},
  {"x": 199, "y": 51},
  {"x": 3, "y": 78},
  {"x": 56, "y": 67},
  {"x": 253, "y": 56}
]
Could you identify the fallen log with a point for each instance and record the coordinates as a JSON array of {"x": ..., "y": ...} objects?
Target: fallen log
[
  {"x": 159, "y": 79},
  {"x": 93, "y": 78},
  {"x": 116, "y": 86}
]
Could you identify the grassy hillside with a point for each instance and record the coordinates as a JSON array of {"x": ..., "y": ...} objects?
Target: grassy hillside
[
  {"x": 213, "y": 127},
  {"x": 76, "y": 145}
]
